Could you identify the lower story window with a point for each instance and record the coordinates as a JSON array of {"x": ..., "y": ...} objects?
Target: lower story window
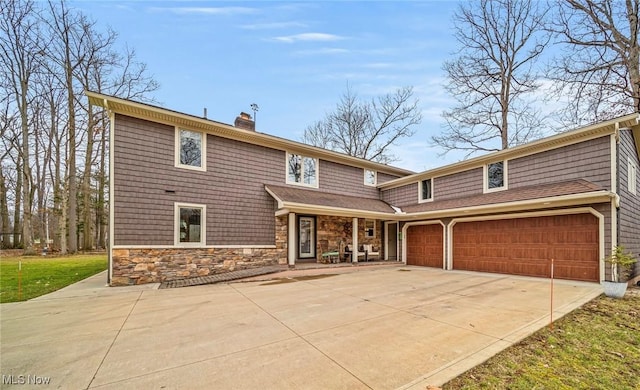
[
  {"x": 370, "y": 228},
  {"x": 190, "y": 219}
]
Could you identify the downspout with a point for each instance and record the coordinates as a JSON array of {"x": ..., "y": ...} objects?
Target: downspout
[
  {"x": 615, "y": 185},
  {"x": 110, "y": 239},
  {"x": 615, "y": 198}
]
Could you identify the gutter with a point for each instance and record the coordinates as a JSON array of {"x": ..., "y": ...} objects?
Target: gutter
[
  {"x": 530, "y": 204},
  {"x": 399, "y": 215}
]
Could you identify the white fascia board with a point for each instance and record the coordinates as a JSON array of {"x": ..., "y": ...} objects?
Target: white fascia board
[
  {"x": 538, "y": 203},
  {"x": 278, "y": 200},
  {"x": 301, "y": 208}
]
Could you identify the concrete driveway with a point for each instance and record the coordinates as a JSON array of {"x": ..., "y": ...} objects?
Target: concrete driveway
[{"x": 363, "y": 327}]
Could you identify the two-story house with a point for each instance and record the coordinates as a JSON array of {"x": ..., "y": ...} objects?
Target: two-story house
[{"x": 191, "y": 197}]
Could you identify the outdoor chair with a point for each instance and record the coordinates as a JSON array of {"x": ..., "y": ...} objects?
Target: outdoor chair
[
  {"x": 362, "y": 253},
  {"x": 332, "y": 256},
  {"x": 371, "y": 252}
]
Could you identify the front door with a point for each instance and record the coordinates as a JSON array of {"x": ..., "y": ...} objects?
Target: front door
[
  {"x": 392, "y": 241},
  {"x": 306, "y": 237}
]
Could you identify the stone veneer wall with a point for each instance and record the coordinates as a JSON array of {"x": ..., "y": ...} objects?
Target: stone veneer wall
[
  {"x": 282, "y": 230},
  {"x": 337, "y": 231},
  {"x": 156, "y": 265}
]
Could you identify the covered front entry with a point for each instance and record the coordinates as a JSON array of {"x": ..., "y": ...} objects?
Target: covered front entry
[
  {"x": 306, "y": 237},
  {"x": 525, "y": 246},
  {"x": 425, "y": 245}
]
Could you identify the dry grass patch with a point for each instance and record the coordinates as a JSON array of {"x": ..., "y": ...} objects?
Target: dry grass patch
[{"x": 594, "y": 347}]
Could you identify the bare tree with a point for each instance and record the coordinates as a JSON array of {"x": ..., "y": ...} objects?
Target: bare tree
[
  {"x": 367, "y": 129},
  {"x": 54, "y": 143},
  {"x": 6, "y": 123},
  {"x": 21, "y": 56},
  {"x": 600, "y": 66},
  {"x": 493, "y": 76}
]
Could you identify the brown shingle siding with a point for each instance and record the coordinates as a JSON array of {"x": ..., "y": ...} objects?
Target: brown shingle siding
[
  {"x": 233, "y": 183},
  {"x": 384, "y": 177},
  {"x": 629, "y": 213},
  {"x": 458, "y": 185},
  {"x": 401, "y": 196},
  {"x": 345, "y": 180},
  {"x": 589, "y": 160}
]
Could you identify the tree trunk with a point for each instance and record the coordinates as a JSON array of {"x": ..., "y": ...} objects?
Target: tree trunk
[
  {"x": 56, "y": 146},
  {"x": 4, "y": 213},
  {"x": 634, "y": 57},
  {"x": 100, "y": 211},
  {"x": 17, "y": 207},
  {"x": 27, "y": 182},
  {"x": 72, "y": 199},
  {"x": 87, "y": 210}
]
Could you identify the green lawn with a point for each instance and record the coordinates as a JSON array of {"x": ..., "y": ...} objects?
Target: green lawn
[
  {"x": 594, "y": 347},
  {"x": 42, "y": 275}
]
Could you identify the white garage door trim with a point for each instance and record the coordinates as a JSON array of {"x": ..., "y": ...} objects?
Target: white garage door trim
[{"x": 581, "y": 210}]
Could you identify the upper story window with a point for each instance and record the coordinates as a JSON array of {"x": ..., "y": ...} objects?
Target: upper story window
[
  {"x": 426, "y": 190},
  {"x": 191, "y": 149},
  {"x": 302, "y": 170},
  {"x": 370, "y": 177},
  {"x": 495, "y": 176},
  {"x": 632, "y": 176},
  {"x": 190, "y": 224}
]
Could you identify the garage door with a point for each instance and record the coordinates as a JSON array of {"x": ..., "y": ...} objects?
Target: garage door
[
  {"x": 524, "y": 246},
  {"x": 424, "y": 245}
]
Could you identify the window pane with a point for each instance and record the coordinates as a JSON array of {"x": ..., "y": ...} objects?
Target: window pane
[
  {"x": 426, "y": 189},
  {"x": 369, "y": 228},
  {"x": 190, "y": 224},
  {"x": 295, "y": 168},
  {"x": 495, "y": 173},
  {"x": 310, "y": 171},
  {"x": 190, "y": 148},
  {"x": 370, "y": 177}
]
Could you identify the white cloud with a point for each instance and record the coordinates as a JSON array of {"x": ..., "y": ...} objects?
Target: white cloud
[
  {"x": 205, "y": 10},
  {"x": 323, "y": 51},
  {"x": 309, "y": 37},
  {"x": 273, "y": 26}
]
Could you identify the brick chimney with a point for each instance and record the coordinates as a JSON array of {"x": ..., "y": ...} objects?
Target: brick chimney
[{"x": 244, "y": 121}]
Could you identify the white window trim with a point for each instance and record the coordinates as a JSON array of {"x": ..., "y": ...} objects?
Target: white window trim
[
  {"x": 420, "y": 200},
  {"x": 203, "y": 155},
  {"x": 632, "y": 176},
  {"x": 303, "y": 184},
  {"x": 365, "y": 228},
  {"x": 485, "y": 179},
  {"x": 176, "y": 225},
  {"x": 375, "y": 177}
]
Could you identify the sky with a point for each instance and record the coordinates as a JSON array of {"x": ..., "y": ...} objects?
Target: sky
[{"x": 293, "y": 59}]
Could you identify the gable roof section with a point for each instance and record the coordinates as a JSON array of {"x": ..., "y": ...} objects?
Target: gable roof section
[
  {"x": 174, "y": 118},
  {"x": 301, "y": 200},
  {"x": 559, "y": 194},
  {"x": 549, "y": 143}
]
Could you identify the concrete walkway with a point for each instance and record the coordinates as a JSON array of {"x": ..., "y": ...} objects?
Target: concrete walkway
[{"x": 387, "y": 327}]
